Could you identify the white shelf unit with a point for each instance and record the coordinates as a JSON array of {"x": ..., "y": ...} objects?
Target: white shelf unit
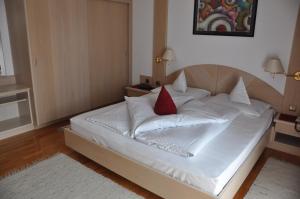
[{"x": 15, "y": 111}]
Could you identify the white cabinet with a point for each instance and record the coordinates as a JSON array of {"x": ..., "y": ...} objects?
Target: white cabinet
[{"x": 15, "y": 111}]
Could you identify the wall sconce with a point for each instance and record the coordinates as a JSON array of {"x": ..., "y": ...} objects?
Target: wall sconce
[
  {"x": 274, "y": 66},
  {"x": 168, "y": 56}
]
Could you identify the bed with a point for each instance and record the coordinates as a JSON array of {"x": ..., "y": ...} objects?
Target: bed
[{"x": 217, "y": 172}]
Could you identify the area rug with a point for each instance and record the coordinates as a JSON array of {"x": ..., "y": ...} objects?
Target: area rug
[
  {"x": 277, "y": 180},
  {"x": 61, "y": 177}
]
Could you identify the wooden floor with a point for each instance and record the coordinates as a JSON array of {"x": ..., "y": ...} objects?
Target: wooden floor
[{"x": 20, "y": 151}]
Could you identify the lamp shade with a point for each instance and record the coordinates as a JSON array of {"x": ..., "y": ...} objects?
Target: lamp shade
[
  {"x": 168, "y": 55},
  {"x": 274, "y": 66}
]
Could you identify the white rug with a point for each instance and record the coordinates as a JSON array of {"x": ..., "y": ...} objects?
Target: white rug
[
  {"x": 277, "y": 180},
  {"x": 61, "y": 177}
]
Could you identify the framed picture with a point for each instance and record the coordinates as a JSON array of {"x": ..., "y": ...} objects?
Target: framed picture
[{"x": 225, "y": 17}]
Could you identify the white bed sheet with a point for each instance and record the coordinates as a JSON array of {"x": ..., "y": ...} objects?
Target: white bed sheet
[{"x": 209, "y": 171}]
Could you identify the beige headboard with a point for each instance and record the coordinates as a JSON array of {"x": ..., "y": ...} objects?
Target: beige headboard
[{"x": 222, "y": 79}]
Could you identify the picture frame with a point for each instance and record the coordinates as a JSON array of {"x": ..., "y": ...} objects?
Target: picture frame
[{"x": 225, "y": 17}]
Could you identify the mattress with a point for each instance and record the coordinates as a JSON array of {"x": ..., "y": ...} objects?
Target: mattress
[{"x": 209, "y": 171}]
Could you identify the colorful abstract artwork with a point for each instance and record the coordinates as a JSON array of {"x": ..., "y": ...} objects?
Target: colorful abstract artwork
[{"x": 225, "y": 17}]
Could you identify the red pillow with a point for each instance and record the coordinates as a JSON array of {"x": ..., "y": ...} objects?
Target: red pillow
[{"x": 164, "y": 104}]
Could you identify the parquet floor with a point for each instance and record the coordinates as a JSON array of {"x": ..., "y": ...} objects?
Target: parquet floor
[{"x": 20, "y": 151}]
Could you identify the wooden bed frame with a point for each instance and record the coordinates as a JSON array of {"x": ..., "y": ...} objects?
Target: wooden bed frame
[{"x": 215, "y": 78}]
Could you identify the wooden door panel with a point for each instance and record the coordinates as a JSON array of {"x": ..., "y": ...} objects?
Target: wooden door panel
[
  {"x": 108, "y": 30},
  {"x": 70, "y": 56},
  {"x": 120, "y": 50},
  {"x": 59, "y": 55},
  {"x": 79, "y": 52},
  {"x": 38, "y": 27}
]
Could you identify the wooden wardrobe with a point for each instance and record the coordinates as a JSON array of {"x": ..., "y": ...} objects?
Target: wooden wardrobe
[{"x": 74, "y": 54}]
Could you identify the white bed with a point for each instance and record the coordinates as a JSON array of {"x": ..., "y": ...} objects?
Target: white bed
[
  {"x": 217, "y": 171},
  {"x": 209, "y": 171}
]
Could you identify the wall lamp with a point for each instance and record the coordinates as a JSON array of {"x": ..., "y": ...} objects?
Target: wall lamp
[
  {"x": 168, "y": 56},
  {"x": 274, "y": 66}
]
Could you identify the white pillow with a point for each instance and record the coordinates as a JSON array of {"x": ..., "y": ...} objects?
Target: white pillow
[
  {"x": 196, "y": 93},
  {"x": 139, "y": 109},
  {"x": 256, "y": 108},
  {"x": 180, "y": 84},
  {"x": 239, "y": 93}
]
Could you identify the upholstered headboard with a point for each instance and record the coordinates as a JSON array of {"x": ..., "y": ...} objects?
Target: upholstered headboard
[{"x": 222, "y": 79}]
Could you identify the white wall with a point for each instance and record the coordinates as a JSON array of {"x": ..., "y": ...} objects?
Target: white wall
[
  {"x": 142, "y": 46},
  {"x": 5, "y": 42},
  {"x": 275, "y": 25}
]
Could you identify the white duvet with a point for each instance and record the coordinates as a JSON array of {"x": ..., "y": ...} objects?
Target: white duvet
[
  {"x": 180, "y": 141},
  {"x": 115, "y": 118},
  {"x": 205, "y": 121},
  {"x": 168, "y": 132}
]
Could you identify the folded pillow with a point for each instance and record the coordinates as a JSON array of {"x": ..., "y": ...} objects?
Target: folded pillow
[
  {"x": 164, "y": 104},
  {"x": 239, "y": 93},
  {"x": 196, "y": 93},
  {"x": 180, "y": 84},
  {"x": 139, "y": 109},
  {"x": 256, "y": 108}
]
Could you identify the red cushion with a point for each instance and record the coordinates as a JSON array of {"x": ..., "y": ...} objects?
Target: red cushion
[{"x": 164, "y": 104}]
